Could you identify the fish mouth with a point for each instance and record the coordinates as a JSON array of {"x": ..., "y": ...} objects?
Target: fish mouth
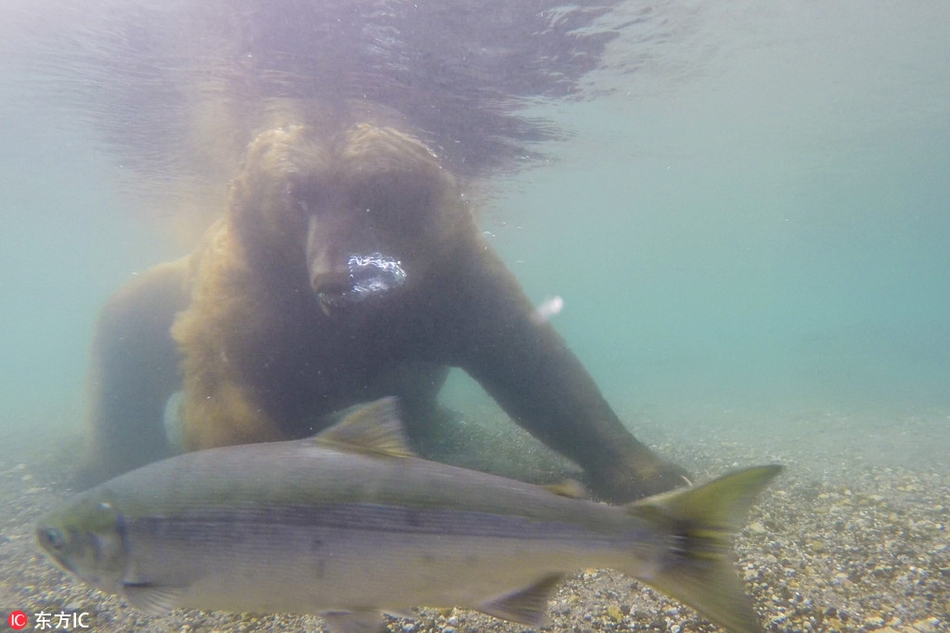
[{"x": 368, "y": 278}]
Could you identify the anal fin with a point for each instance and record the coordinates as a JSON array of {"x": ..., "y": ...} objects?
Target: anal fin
[{"x": 525, "y": 606}]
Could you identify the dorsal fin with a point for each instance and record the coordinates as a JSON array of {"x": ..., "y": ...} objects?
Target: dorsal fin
[{"x": 374, "y": 428}]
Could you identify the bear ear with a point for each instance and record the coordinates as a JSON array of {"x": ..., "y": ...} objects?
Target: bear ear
[{"x": 375, "y": 428}]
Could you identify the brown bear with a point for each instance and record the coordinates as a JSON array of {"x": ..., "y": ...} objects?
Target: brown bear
[{"x": 347, "y": 267}]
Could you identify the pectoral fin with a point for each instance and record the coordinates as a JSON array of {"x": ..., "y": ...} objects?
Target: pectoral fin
[
  {"x": 152, "y": 599},
  {"x": 524, "y": 606}
]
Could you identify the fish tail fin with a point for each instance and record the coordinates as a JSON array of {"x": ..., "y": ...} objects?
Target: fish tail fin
[{"x": 696, "y": 566}]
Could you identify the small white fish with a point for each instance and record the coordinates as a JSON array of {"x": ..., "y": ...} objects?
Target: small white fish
[{"x": 350, "y": 524}]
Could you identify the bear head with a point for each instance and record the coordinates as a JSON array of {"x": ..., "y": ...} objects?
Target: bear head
[{"x": 356, "y": 216}]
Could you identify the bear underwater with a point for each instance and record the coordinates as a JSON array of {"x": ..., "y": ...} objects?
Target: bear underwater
[{"x": 347, "y": 267}]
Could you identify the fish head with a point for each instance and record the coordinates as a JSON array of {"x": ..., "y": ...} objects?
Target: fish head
[{"x": 85, "y": 538}]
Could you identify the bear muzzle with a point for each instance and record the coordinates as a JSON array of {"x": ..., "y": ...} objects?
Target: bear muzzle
[{"x": 365, "y": 278}]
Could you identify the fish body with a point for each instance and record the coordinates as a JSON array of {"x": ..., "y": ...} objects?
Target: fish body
[{"x": 349, "y": 524}]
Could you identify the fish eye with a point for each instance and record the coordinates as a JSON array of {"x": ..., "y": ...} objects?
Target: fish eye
[{"x": 52, "y": 537}]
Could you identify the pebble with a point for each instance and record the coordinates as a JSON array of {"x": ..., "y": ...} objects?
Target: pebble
[{"x": 930, "y": 625}]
